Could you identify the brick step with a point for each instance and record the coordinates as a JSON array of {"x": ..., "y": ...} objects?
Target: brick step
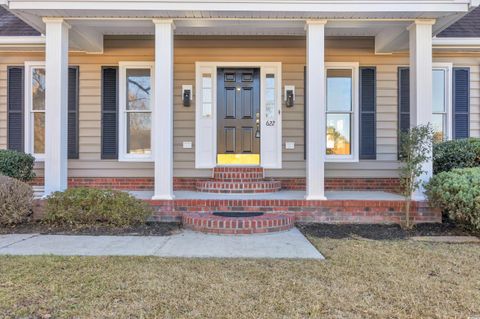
[
  {"x": 238, "y": 173},
  {"x": 265, "y": 223},
  {"x": 215, "y": 186}
]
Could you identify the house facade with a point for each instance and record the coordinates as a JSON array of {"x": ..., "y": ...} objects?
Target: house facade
[{"x": 166, "y": 96}]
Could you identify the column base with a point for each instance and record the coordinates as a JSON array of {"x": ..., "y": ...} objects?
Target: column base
[
  {"x": 163, "y": 197},
  {"x": 315, "y": 197}
]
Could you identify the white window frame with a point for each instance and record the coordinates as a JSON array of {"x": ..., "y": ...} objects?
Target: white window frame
[
  {"x": 28, "y": 118},
  {"x": 448, "y": 68},
  {"x": 354, "y": 125},
  {"x": 123, "y": 156}
]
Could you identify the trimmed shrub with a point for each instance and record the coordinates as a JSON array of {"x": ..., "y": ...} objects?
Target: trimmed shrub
[
  {"x": 90, "y": 207},
  {"x": 457, "y": 193},
  {"x": 16, "y": 200},
  {"x": 456, "y": 154},
  {"x": 17, "y": 165}
]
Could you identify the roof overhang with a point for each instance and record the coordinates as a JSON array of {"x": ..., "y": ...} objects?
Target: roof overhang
[{"x": 385, "y": 20}]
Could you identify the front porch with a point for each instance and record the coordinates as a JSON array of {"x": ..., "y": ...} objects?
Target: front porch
[{"x": 287, "y": 153}]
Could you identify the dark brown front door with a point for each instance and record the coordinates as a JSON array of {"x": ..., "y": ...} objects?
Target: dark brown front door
[{"x": 238, "y": 108}]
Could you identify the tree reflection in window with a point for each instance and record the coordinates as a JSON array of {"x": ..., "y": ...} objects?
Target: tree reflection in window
[
  {"x": 38, "y": 110},
  {"x": 138, "y": 111},
  {"x": 339, "y": 111}
]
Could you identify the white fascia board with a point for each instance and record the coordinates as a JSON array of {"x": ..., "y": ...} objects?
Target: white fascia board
[
  {"x": 366, "y": 6},
  {"x": 456, "y": 42},
  {"x": 22, "y": 40}
]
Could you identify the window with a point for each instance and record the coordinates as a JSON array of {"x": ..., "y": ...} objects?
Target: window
[
  {"x": 441, "y": 102},
  {"x": 341, "y": 113},
  {"x": 35, "y": 109},
  {"x": 136, "y": 104},
  {"x": 270, "y": 101},
  {"x": 207, "y": 92}
]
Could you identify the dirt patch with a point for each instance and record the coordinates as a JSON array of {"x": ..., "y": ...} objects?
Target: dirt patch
[
  {"x": 381, "y": 232},
  {"x": 148, "y": 229}
]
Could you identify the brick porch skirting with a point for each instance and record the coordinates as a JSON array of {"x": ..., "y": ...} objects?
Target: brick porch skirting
[
  {"x": 329, "y": 211},
  {"x": 189, "y": 184}
]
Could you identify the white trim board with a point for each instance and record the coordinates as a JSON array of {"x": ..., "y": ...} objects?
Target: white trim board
[{"x": 206, "y": 122}]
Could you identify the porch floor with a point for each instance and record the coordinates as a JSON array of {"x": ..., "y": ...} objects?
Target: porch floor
[{"x": 281, "y": 195}]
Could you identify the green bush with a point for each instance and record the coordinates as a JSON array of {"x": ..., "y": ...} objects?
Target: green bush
[
  {"x": 89, "y": 207},
  {"x": 457, "y": 193},
  {"x": 16, "y": 199},
  {"x": 17, "y": 165},
  {"x": 456, "y": 154}
]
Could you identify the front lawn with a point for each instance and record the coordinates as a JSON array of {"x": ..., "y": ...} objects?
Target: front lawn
[{"x": 360, "y": 278}]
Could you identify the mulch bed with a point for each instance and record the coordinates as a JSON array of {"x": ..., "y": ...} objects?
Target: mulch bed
[
  {"x": 381, "y": 232},
  {"x": 148, "y": 229}
]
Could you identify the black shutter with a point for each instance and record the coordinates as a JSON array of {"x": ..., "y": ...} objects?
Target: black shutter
[
  {"x": 73, "y": 113},
  {"x": 403, "y": 101},
  {"x": 461, "y": 103},
  {"x": 368, "y": 143},
  {"x": 15, "y": 109},
  {"x": 109, "y": 113}
]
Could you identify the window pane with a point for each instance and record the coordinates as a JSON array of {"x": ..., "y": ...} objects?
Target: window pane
[
  {"x": 206, "y": 95},
  {"x": 39, "y": 132},
  {"x": 338, "y": 134},
  {"x": 339, "y": 90},
  {"x": 38, "y": 89},
  {"x": 439, "y": 127},
  {"x": 138, "y": 133},
  {"x": 138, "y": 89},
  {"x": 270, "y": 96},
  {"x": 438, "y": 91}
]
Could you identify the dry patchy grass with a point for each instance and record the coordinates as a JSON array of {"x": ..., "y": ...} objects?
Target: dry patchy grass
[{"x": 373, "y": 279}]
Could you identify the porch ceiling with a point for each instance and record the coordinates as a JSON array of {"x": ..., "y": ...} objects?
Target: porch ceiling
[{"x": 385, "y": 20}]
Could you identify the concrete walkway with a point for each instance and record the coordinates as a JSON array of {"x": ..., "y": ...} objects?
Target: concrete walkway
[{"x": 289, "y": 244}]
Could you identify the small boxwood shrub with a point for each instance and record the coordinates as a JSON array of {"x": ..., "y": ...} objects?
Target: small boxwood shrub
[
  {"x": 457, "y": 193},
  {"x": 16, "y": 200},
  {"x": 456, "y": 154},
  {"x": 17, "y": 165},
  {"x": 89, "y": 207}
]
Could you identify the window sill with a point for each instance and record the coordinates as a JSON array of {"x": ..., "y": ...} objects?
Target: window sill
[
  {"x": 136, "y": 159},
  {"x": 341, "y": 160}
]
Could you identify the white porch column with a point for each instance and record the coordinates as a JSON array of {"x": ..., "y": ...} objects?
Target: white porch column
[
  {"x": 162, "y": 123},
  {"x": 56, "y": 120},
  {"x": 421, "y": 84},
  {"x": 315, "y": 110}
]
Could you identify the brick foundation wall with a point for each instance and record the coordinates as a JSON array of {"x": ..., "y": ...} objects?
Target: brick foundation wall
[
  {"x": 329, "y": 211},
  {"x": 181, "y": 183}
]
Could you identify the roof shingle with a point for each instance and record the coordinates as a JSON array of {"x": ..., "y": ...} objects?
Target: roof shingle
[
  {"x": 10, "y": 25},
  {"x": 466, "y": 27}
]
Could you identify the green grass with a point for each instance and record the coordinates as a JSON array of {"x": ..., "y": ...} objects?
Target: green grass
[{"x": 360, "y": 278}]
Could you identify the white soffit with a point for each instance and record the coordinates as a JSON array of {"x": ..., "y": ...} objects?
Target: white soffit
[{"x": 385, "y": 20}]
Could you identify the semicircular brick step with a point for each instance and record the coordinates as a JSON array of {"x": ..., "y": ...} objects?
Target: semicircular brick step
[
  {"x": 238, "y": 180},
  {"x": 234, "y": 187},
  {"x": 238, "y": 173},
  {"x": 210, "y": 223}
]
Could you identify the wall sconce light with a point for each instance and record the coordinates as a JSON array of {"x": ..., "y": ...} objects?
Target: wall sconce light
[
  {"x": 289, "y": 95},
  {"x": 186, "y": 95}
]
